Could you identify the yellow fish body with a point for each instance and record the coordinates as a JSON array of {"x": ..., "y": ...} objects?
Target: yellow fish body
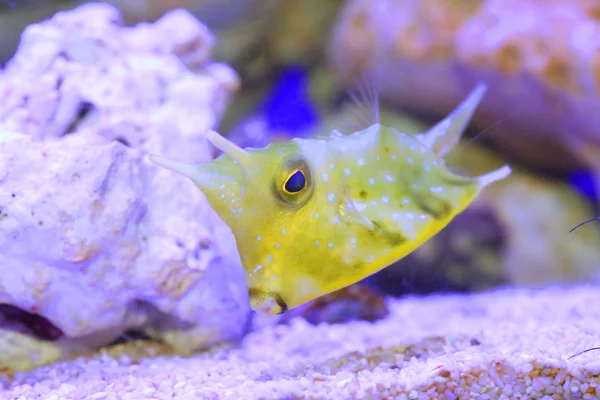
[{"x": 314, "y": 216}]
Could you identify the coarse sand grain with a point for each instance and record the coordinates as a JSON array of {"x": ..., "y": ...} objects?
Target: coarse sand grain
[{"x": 506, "y": 344}]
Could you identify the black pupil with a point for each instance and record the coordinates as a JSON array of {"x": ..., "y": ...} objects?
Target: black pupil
[{"x": 296, "y": 182}]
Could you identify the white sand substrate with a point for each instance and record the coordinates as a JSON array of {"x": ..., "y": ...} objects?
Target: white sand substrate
[{"x": 506, "y": 344}]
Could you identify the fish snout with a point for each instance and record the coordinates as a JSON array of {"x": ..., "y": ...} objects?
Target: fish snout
[{"x": 265, "y": 302}]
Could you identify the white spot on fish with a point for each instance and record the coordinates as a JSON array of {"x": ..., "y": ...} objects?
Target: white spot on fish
[
  {"x": 222, "y": 187},
  {"x": 325, "y": 176},
  {"x": 277, "y": 245},
  {"x": 330, "y": 197},
  {"x": 395, "y": 216},
  {"x": 371, "y": 181},
  {"x": 317, "y": 243},
  {"x": 329, "y": 244},
  {"x": 269, "y": 257},
  {"x": 377, "y": 158},
  {"x": 331, "y": 166},
  {"x": 336, "y": 220},
  {"x": 436, "y": 189},
  {"x": 259, "y": 237},
  {"x": 434, "y": 163},
  {"x": 388, "y": 178},
  {"x": 361, "y": 162},
  {"x": 283, "y": 231},
  {"x": 409, "y": 160},
  {"x": 316, "y": 215},
  {"x": 347, "y": 171},
  {"x": 222, "y": 196},
  {"x": 426, "y": 167},
  {"x": 409, "y": 216},
  {"x": 353, "y": 240},
  {"x": 373, "y": 203},
  {"x": 258, "y": 267},
  {"x": 393, "y": 156},
  {"x": 423, "y": 216},
  {"x": 456, "y": 190},
  {"x": 385, "y": 199}
]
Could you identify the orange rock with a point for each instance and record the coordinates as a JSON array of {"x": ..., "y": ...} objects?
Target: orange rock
[{"x": 541, "y": 60}]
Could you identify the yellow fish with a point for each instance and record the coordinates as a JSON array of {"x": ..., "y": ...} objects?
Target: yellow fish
[{"x": 311, "y": 216}]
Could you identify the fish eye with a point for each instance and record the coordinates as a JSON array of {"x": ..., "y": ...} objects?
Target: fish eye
[
  {"x": 292, "y": 183},
  {"x": 296, "y": 182}
]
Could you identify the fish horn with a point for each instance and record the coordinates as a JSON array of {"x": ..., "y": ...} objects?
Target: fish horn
[
  {"x": 196, "y": 173},
  {"x": 445, "y": 134},
  {"x": 187, "y": 170},
  {"x": 236, "y": 153}
]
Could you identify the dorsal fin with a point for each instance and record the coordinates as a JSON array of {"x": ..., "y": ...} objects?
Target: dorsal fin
[{"x": 364, "y": 110}]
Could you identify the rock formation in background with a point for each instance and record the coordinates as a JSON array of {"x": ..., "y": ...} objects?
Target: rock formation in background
[
  {"x": 539, "y": 58},
  {"x": 94, "y": 239}
]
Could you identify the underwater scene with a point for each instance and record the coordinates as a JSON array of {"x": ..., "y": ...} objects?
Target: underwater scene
[{"x": 300, "y": 199}]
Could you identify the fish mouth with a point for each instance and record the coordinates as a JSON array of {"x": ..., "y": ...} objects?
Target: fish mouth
[{"x": 265, "y": 302}]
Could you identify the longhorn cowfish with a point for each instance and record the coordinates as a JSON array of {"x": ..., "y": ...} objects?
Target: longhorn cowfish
[{"x": 311, "y": 216}]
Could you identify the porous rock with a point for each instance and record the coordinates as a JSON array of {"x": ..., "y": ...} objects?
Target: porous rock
[
  {"x": 541, "y": 64},
  {"x": 93, "y": 237}
]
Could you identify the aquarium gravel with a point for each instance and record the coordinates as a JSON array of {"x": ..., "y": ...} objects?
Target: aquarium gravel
[{"x": 499, "y": 345}]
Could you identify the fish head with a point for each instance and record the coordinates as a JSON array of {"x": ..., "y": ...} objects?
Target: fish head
[{"x": 271, "y": 201}]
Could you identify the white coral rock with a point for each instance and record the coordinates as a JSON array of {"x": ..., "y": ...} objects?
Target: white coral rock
[{"x": 92, "y": 236}]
